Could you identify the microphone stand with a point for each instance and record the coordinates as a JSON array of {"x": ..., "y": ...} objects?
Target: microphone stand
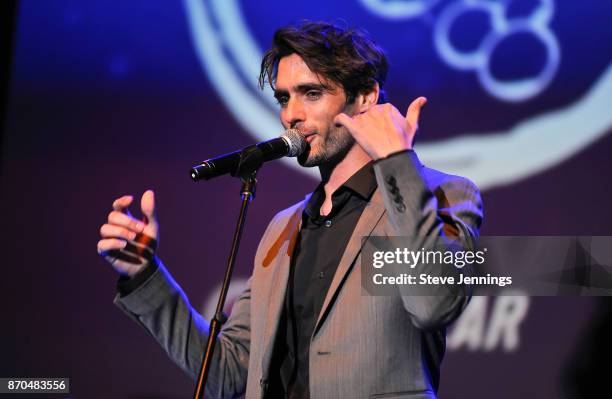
[{"x": 250, "y": 161}]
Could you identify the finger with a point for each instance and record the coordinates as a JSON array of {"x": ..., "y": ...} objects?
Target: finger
[
  {"x": 124, "y": 260},
  {"x": 121, "y": 219},
  {"x": 133, "y": 248},
  {"x": 110, "y": 244},
  {"x": 147, "y": 205},
  {"x": 113, "y": 249},
  {"x": 122, "y": 202},
  {"x": 114, "y": 231},
  {"x": 414, "y": 109},
  {"x": 345, "y": 120},
  {"x": 146, "y": 241}
]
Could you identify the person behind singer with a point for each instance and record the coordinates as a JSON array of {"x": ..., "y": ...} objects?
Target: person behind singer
[{"x": 302, "y": 327}]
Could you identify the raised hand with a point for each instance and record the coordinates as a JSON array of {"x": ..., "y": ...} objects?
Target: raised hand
[
  {"x": 382, "y": 129},
  {"x": 127, "y": 243}
]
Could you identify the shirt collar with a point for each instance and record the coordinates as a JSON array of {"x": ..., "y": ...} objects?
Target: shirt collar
[{"x": 363, "y": 183}]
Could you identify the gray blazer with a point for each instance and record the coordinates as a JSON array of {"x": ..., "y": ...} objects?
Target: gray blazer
[{"x": 363, "y": 346}]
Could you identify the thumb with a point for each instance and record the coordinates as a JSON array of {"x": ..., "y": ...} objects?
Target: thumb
[
  {"x": 149, "y": 239},
  {"x": 147, "y": 206},
  {"x": 414, "y": 109},
  {"x": 344, "y": 120}
]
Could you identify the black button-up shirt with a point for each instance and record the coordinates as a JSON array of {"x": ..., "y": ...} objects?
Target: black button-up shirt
[{"x": 319, "y": 247}]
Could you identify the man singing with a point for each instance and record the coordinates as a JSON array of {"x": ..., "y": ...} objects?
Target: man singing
[{"x": 302, "y": 327}]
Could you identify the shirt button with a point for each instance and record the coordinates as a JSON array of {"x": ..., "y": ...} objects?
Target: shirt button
[
  {"x": 328, "y": 223},
  {"x": 321, "y": 274}
]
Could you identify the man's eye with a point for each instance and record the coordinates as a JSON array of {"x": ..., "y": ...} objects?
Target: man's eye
[
  {"x": 282, "y": 100},
  {"x": 313, "y": 95}
]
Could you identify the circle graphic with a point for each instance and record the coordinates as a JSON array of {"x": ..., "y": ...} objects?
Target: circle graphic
[
  {"x": 480, "y": 59},
  {"x": 230, "y": 58}
]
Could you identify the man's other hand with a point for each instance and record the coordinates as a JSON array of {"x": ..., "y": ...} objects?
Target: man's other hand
[{"x": 127, "y": 243}]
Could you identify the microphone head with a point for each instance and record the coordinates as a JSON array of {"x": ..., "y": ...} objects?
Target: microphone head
[{"x": 296, "y": 142}]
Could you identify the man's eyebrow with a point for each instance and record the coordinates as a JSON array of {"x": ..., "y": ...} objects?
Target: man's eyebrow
[
  {"x": 305, "y": 87},
  {"x": 302, "y": 88}
]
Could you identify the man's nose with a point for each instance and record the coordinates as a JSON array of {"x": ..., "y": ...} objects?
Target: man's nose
[{"x": 294, "y": 113}]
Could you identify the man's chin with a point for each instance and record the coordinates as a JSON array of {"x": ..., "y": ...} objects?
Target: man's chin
[
  {"x": 307, "y": 160},
  {"x": 310, "y": 158}
]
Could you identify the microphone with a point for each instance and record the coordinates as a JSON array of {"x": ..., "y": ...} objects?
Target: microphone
[{"x": 290, "y": 144}]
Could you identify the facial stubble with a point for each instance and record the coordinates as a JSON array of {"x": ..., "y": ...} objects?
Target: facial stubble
[{"x": 331, "y": 150}]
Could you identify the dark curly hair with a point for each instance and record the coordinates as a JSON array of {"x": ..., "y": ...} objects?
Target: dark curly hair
[{"x": 344, "y": 56}]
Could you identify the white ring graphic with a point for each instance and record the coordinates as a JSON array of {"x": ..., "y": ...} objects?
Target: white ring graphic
[
  {"x": 460, "y": 59},
  {"x": 231, "y": 60},
  {"x": 399, "y": 9}
]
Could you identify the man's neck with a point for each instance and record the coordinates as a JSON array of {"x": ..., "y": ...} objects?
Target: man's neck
[{"x": 334, "y": 176}]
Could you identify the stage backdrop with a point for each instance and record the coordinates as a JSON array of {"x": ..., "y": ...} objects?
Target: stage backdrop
[{"x": 114, "y": 97}]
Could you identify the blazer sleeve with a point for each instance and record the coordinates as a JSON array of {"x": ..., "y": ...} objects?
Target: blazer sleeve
[
  {"x": 161, "y": 307},
  {"x": 430, "y": 210}
]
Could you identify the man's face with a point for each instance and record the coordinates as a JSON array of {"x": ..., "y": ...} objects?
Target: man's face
[{"x": 309, "y": 103}]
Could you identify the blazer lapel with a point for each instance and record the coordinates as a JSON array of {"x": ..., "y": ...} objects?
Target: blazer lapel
[
  {"x": 279, "y": 258},
  {"x": 368, "y": 220}
]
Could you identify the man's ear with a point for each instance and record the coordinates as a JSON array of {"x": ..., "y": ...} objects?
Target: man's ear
[{"x": 366, "y": 100}]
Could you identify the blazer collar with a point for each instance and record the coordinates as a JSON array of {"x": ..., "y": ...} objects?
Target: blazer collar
[{"x": 369, "y": 219}]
